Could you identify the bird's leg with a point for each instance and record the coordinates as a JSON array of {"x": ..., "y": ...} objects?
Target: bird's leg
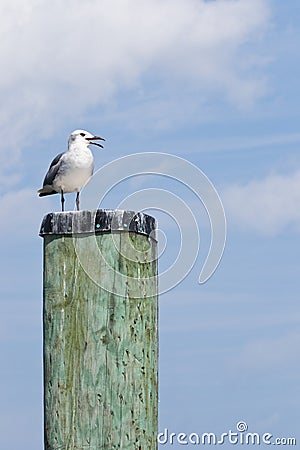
[
  {"x": 62, "y": 198},
  {"x": 77, "y": 201}
]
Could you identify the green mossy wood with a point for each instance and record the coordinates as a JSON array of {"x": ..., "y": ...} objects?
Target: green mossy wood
[{"x": 100, "y": 342}]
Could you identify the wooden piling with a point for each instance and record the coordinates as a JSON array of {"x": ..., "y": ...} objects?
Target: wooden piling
[{"x": 100, "y": 331}]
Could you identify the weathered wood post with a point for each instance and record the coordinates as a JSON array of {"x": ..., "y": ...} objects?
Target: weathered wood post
[{"x": 100, "y": 331}]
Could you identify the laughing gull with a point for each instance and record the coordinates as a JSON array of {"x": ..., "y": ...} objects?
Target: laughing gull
[{"x": 73, "y": 169}]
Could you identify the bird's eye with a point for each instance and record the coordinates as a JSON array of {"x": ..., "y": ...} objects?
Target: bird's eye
[{"x": 82, "y": 134}]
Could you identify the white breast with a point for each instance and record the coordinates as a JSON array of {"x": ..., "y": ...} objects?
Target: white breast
[{"x": 76, "y": 170}]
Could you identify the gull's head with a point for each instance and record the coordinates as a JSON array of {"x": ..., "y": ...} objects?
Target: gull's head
[{"x": 84, "y": 138}]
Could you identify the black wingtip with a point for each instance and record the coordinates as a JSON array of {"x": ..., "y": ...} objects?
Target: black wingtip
[{"x": 43, "y": 194}]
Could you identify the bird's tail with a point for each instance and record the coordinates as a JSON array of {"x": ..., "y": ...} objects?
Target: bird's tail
[{"x": 46, "y": 191}]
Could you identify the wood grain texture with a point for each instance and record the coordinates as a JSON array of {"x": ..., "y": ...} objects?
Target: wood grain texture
[{"x": 100, "y": 347}]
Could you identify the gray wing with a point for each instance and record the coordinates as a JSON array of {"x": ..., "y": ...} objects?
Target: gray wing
[{"x": 52, "y": 172}]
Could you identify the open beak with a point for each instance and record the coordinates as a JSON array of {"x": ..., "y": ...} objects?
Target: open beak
[{"x": 96, "y": 138}]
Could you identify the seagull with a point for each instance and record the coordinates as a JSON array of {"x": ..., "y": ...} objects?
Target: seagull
[{"x": 73, "y": 169}]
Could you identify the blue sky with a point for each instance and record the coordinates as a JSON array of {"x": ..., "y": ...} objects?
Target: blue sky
[{"x": 216, "y": 83}]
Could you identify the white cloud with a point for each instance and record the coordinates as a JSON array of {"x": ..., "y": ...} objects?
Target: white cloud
[
  {"x": 29, "y": 207},
  {"x": 267, "y": 206},
  {"x": 267, "y": 354},
  {"x": 61, "y": 58}
]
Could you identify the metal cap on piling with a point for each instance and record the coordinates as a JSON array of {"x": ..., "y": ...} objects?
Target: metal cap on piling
[{"x": 97, "y": 221}]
